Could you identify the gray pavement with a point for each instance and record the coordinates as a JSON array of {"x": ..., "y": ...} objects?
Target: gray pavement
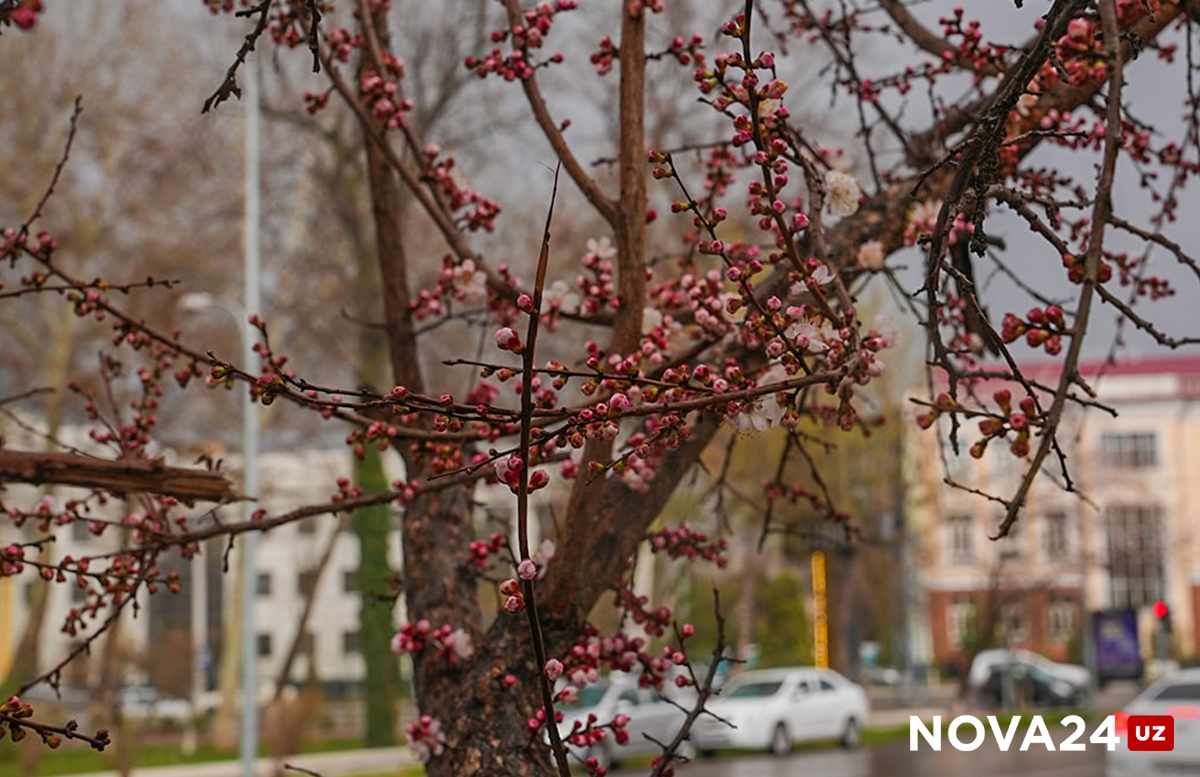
[{"x": 895, "y": 760}]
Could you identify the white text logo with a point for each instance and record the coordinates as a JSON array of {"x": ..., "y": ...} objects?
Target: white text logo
[{"x": 967, "y": 733}]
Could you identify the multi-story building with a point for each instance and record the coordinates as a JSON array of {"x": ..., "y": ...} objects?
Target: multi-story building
[
  {"x": 199, "y": 621},
  {"x": 1123, "y": 536}
]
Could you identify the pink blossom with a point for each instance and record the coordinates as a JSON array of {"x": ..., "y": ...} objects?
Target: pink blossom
[
  {"x": 527, "y": 569},
  {"x": 553, "y": 669},
  {"x": 507, "y": 339}
]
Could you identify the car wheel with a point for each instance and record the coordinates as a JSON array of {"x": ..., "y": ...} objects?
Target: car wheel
[
  {"x": 851, "y": 734},
  {"x": 781, "y": 743}
]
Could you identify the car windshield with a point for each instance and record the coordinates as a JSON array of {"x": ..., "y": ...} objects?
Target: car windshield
[
  {"x": 755, "y": 690},
  {"x": 1179, "y": 692},
  {"x": 589, "y": 696}
]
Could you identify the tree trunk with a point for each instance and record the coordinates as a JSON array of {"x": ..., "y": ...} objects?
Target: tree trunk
[{"x": 372, "y": 525}]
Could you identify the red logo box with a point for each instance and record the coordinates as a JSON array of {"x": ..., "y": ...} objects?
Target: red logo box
[{"x": 1151, "y": 732}]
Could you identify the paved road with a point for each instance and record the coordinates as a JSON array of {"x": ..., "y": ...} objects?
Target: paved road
[{"x": 895, "y": 760}]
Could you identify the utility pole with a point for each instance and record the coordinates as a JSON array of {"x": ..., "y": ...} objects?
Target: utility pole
[
  {"x": 820, "y": 611},
  {"x": 253, "y": 365}
]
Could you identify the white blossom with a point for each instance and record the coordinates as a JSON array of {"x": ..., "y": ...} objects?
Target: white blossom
[
  {"x": 842, "y": 192},
  {"x": 561, "y": 295},
  {"x": 871, "y": 255},
  {"x": 601, "y": 247},
  {"x": 470, "y": 283}
]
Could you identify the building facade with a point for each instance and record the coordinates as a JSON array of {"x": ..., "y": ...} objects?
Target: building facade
[{"x": 1124, "y": 536}]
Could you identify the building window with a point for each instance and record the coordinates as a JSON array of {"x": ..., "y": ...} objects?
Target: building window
[
  {"x": 264, "y": 645},
  {"x": 1135, "y": 555},
  {"x": 307, "y": 526},
  {"x": 960, "y": 540},
  {"x": 960, "y": 620},
  {"x": 307, "y": 644},
  {"x": 350, "y": 582},
  {"x": 264, "y": 584},
  {"x": 1056, "y": 543},
  {"x": 1012, "y": 621},
  {"x": 1130, "y": 450},
  {"x": 81, "y": 530},
  {"x": 1060, "y": 619},
  {"x": 350, "y": 642},
  {"x": 306, "y": 583}
]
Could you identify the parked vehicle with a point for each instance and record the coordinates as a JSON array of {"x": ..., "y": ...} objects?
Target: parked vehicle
[
  {"x": 143, "y": 702},
  {"x": 1177, "y": 695},
  {"x": 881, "y": 675},
  {"x": 1030, "y": 687},
  {"x": 1036, "y": 679},
  {"x": 772, "y": 709},
  {"x": 649, "y": 712}
]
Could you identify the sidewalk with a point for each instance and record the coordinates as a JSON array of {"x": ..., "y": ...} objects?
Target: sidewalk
[
  {"x": 900, "y": 717},
  {"x": 336, "y": 764}
]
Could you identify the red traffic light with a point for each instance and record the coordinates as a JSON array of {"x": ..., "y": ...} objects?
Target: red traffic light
[{"x": 1159, "y": 609}]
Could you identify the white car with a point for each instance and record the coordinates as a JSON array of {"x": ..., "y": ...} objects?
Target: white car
[
  {"x": 771, "y": 709},
  {"x": 1177, "y": 695},
  {"x": 650, "y": 714}
]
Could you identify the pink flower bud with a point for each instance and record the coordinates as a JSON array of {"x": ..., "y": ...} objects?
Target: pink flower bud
[
  {"x": 507, "y": 339},
  {"x": 538, "y": 479},
  {"x": 527, "y": 570},
  {"x": 553, "y": 669},
  {"x": 514, "y": 604}
]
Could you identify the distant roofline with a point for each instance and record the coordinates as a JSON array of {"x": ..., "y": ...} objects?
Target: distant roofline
[{"x": 1155, "y": 365}]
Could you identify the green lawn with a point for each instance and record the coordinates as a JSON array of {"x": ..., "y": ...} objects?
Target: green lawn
[{"x": 17, "y": 759}]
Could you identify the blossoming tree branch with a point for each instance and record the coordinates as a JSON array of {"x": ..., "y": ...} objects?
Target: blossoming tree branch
[{"x": 747, "y": 317}]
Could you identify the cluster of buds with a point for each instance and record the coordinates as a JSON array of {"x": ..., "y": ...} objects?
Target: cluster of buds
[
  {"x": 605, "y": 56},
  {"x": 508, "y": 472},
  {"x": 1007, "y": 420},
  {"x": 453, "y": 645},
  {"x": 482, "y": 551},
  {"x": 943, "y": 403},
  {"x": 12, "y": 560},
  {"x": 685, "y": 542},
  {"x": 411, "y": 637},
  {"x": 425, "y": 738},
  {"x": 655, "y": 622},
  {"x": 1042, "y": 328},
  {"x": 528, "y": 35},
  {"x": 380, "y": 95},
  {"x": 1077, "y": 269},
  {"x": 476, "y": 211},
  {"x": 346, "y": 490},
  {"x": 13, "y": 711},
  {"x": 514, "y": 600}
]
